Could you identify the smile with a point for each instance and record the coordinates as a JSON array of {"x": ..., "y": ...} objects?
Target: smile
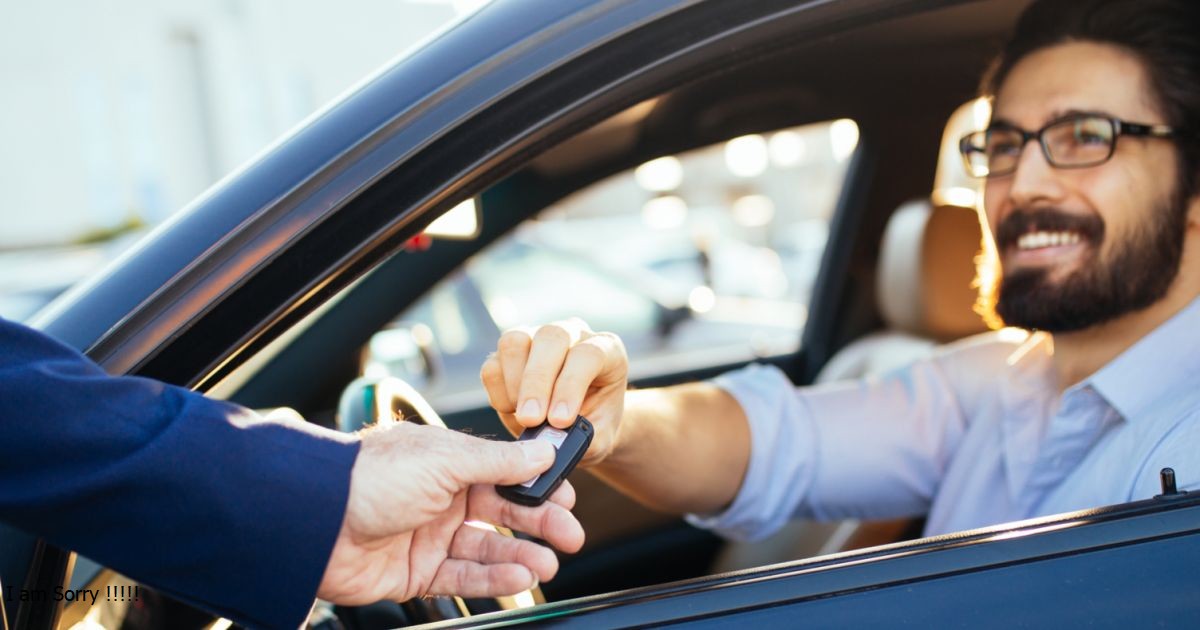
[
  {"x": 1043, "y": 248},
  {"x": 1042, "y": 239}
]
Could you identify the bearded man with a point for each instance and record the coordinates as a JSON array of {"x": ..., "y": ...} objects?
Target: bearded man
[{"x": 1090, "y": 167}]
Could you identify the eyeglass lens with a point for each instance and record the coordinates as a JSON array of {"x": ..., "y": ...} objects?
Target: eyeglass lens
[{"x": 1078, "y": 141}]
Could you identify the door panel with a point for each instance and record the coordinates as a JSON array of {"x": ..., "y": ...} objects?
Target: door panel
[
  {"x": 1149, "y": 584},
  {"x": 1122, "y": 566}
]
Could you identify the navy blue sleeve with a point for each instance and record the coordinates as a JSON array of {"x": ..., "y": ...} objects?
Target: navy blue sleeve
[{"x": 199, "y": 498}]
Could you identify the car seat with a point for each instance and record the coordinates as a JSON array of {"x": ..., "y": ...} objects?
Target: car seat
[{"x": 923, "y": 288}]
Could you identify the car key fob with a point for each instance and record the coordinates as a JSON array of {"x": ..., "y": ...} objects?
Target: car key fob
[{"x": 570, "y": 444}]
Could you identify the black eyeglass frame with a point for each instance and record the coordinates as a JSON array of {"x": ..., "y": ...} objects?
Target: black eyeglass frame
[{"x": 1119, "y": 128}]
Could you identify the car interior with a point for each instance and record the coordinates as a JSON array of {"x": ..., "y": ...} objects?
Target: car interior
[{"x": 895, "y": 278}]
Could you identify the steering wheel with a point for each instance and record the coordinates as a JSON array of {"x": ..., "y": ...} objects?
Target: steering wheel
[{"x": 382, "y": 400}]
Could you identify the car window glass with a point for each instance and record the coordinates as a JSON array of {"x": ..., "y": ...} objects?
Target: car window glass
[
  {"x": 702, "y": 258},
  {"x": 576, "y": 285}
]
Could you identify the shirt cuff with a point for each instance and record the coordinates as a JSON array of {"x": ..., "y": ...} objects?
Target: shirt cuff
[{"x": 780, "y": 469}]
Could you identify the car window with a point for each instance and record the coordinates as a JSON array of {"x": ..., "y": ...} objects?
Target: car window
[
  {"x": 579, "y": 284},
  {"x": 702, "y": 258}
]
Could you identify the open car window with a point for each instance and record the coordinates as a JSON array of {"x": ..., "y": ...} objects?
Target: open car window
[{"x": 698, "y": 259}]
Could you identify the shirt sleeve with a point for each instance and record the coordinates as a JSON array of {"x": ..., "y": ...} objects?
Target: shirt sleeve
[
  {"x": 874, "y": 448},
  {"x": 199, "y": 498}
]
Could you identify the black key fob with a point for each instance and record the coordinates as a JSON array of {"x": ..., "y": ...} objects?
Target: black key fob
[{"x": 570, "y": 443}]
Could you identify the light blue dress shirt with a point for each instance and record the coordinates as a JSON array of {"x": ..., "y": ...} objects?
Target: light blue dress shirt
[{"x": 974, "y": 436}]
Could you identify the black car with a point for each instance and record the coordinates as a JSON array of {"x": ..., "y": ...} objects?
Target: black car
[{"x": 265, "y": 290}]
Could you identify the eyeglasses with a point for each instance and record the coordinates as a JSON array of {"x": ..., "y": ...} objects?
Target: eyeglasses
[{"x": 1074, "y": 141}]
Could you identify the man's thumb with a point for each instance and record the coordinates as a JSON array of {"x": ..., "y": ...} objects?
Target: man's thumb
[{"x": 505, "y": 463}]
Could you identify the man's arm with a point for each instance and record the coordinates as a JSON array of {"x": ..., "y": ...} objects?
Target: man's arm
[
  {"x": 676, "y": 449},
  {"x": 681, "y": 449},
  {"x": 199, "y": 498},
  {"x": 748, "y": 445},
  {"x": 247, "y": 517}
]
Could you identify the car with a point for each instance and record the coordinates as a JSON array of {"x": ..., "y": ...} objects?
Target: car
[{"x": 265, "y": 290}]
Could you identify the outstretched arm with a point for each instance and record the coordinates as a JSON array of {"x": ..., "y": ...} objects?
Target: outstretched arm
[
  {"x": 677, "y": 449},
  {"x": 247, "y": 516}
]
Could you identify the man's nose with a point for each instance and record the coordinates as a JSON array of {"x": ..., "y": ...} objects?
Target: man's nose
[{"x": 1034, "y": 180}]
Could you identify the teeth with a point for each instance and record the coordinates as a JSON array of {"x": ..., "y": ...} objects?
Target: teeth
[{"x": 1037, "y": 240}]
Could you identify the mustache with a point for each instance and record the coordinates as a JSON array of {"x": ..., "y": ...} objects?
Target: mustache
[{"x": 1021, "y": 222}]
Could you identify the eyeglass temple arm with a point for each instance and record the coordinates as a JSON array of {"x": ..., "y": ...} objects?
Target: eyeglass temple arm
[{"x": 1135, "y": 129}]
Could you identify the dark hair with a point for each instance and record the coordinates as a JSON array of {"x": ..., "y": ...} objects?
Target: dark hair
[{"x": 1163, "y": 34}]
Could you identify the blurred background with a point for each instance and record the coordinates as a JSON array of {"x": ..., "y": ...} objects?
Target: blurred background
[{"x": 118, "y": 113}]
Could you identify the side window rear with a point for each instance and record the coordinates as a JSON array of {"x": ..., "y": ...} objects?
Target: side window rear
[{"x": 696, "y": 259}]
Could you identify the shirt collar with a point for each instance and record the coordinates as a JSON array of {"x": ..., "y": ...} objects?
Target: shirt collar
[{"x": 1156, "y": 375}]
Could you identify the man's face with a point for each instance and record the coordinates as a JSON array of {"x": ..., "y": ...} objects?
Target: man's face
[{"x": 1082, "y": 246}]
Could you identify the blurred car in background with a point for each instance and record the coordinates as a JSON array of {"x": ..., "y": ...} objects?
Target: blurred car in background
[{"x": 437, "y": 344}]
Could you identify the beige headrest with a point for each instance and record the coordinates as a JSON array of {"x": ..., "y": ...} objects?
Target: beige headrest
[
  {"x": 926, "y": 267},
  {"x": 952, "y": 186},
  {"x": 927, "y": 259}
]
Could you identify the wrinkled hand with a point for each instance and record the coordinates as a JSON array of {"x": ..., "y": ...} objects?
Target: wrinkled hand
[
  {"x": 405, "y": 533},
  {"x": 555, "y": 372}
]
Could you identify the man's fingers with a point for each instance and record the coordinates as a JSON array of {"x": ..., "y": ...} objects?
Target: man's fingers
[
  {"x": 467, "y": 578},
  {"x": 585, "y": 363},
  {"x": 549, "y": 521},
  {"x": 565, "y": 495},
  {"x": 513, "y": 351},
  {"x": 549, "y": 349},
  {"x": 480, "y": 461},
  {"x": 492, "y": 376},
  {"x": 490, "y": 547},
  {"x": 511, "y": 423},
  {"x": 545, "y": 373}
]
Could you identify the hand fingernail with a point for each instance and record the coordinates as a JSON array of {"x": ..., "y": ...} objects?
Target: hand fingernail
[
  {"x": 560, "y": 411},
  {"x": 537, "y": 451},
  {"x": 531, "y": 409}
]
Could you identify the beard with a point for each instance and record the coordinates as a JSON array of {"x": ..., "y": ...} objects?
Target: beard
[{"x": 1137, "y": 272}]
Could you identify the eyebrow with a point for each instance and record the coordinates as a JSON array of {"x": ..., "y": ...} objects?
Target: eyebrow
[{"x": 1055, "y": 116}]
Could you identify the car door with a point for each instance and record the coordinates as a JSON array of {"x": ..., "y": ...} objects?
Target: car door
[{"x": 1121, "y": 567}]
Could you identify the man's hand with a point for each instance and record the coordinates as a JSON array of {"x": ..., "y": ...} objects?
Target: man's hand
[
  {"x": 405, "y": 533},
  {"x": 676, "y": 449},
  {"x": 556, "y": 372}
]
